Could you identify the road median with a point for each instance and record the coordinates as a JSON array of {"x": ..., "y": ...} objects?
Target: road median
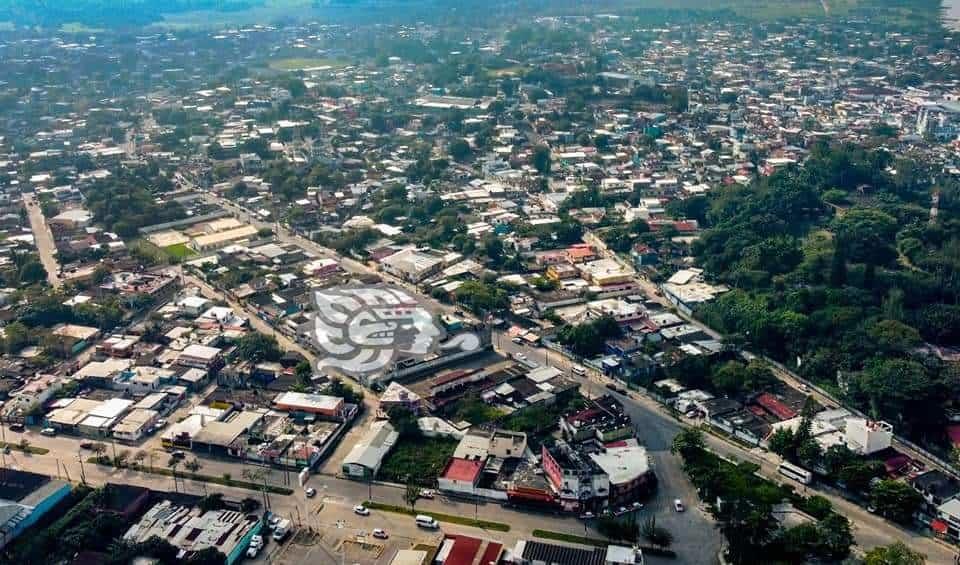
[
  {"x": 598, "y": 542},
  {"x": 484, "y": 524},
  {"x": 272, "y": 489}
]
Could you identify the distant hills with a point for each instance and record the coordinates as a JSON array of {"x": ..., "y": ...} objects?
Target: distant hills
[
  {"x": 132, "y": 13},
  {"x": 108, "y": 13}
]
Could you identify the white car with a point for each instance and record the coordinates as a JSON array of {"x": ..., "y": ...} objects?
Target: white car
[
  {"x": 678, "y": 505},
  {"x": 256, "y": 544},
  {"x": 428, "y": 493},
  {"x": 380, "y": 533},
  {"x": 310, "y": 492},
  {"x": 48, "y": 432},
  {"x": 361, "y": 510}
]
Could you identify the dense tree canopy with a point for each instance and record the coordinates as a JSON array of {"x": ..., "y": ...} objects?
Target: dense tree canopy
[{"x": 846, "y": 294}]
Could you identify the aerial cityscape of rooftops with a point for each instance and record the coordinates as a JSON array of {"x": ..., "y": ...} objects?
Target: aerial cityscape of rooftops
[{"x": 437, "y": 282}]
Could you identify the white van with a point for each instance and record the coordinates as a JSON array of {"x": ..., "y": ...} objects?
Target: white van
[
  {"x": 578, "y": 370},
  {"x": 428, "y": 522}
]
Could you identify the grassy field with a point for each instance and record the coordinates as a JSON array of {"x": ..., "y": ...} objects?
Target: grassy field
[
  {"x": 515, "y": 70},
  {"x": 462, "y": 520},
  {"x": 179, "y": 251},
  {"x": 297, "y": 63},
  {"x": 421, "y": 459}
]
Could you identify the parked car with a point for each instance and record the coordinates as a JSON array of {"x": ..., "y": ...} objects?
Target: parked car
[
  {"x": 256, "y": 544},
  {"x": 361, "y": 510},
  {"x": 86, "y": 445},
  {"x": 678, "y": 505},
  {"x": 428, "y": 493},
  {"x": 178, "y": 454},
  {"x": 380, "y": 533},
  {"x": 48, "y": 432},
  {"x": 310, "y": 492}
]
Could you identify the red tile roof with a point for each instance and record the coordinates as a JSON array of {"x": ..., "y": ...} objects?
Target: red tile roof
[
  {"x": 492, "y": 554},
  {"x": 464, "y": 550},
  {"x": 462, "y": 470},
  {"x": 771, "y": 404}
]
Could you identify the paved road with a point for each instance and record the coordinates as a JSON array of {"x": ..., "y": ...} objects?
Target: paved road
[
  {"x": 330, "y": 512},
  {"x": 43, "y": 239},
  {"x": 656, "y": 428},
  {"x": 696, "y": 537},
  {"x": 783, "y": 373}
]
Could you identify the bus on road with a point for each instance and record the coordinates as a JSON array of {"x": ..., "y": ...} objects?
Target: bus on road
[{"x": 795, "y": 472}]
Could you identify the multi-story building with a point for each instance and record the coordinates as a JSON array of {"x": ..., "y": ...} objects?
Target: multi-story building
[{"x": 581, "y": 484}]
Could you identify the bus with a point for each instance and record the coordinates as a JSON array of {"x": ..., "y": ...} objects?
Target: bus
[{"x": 795, "y": 472}]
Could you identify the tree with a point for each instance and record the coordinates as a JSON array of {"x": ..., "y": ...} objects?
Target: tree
[
  {"x": 349, "y": 394},
  {"x": 894, "y": 554},
  {"x": 303, "y": 371},
  {"x": 206, "y": 556},
  {"x": 172, "y": 464},
  {"x": 688, "y": 443},
  {"x": 895, "y": 500},
  {"x": 857, "y": 475},
  {"x": 249, "y": 505},
  {"x": 868, "y": 235},
  {"x": 31, "y": 272},
  {"x": 621, "y": 530},
  {"x": 747, "y": 525},
  {"x": 781, "y": 441},
  {"x": 587, "y": 339},
  {"x": 405, "y": 422},
  {"x": 836, "y": 537},
  {"x": 296, "y": 87},
  {"x": 99, "y": 449},
  {"x": 894, "y": 336},
  {"x": 213, "y": 501},
  {"x": 193, "y": 465},
  {"x": 411, "y": 494},
  {"x": 657, "y": 535},
  {"x": 459, "y": 150},
  {"x": 139, "y": 456},
  {"x": 541, "y": 159},
  {"x": 256, "y": 347}
]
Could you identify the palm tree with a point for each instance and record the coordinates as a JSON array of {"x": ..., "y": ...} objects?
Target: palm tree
[
  {"x": 173, "y": 463},
  {"x": 193, "y": 466},
  {"x": 258, "y": 476},
  {"x": 99, "y": 449},
  {"x": 138, "y": 457}
]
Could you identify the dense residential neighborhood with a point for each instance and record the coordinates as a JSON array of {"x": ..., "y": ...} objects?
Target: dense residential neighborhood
[{"x": 523, "y": 284}]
